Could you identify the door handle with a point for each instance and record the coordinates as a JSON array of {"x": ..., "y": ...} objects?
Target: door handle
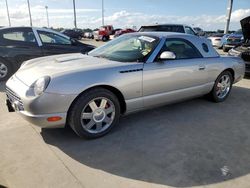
[{"x": 202, "y": 67}]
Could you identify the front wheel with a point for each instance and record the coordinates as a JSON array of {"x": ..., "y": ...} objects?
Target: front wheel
[
  {"x": 222, "y": 87},
  {"x": 5, "y": 71},
  {"x": 104, "y": 38},
  {"x": 94, "y": 113},
  {"x": 225, "y": 49}
]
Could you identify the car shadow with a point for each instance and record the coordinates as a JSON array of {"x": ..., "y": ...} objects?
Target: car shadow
[{"x": 191, "y": 143}]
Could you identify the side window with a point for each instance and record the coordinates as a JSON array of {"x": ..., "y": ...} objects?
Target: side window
[
  {"x": 20, "y": 36},
  {"x": 171, "y": 28},
  {"x": 52, "y": 38},
  {"x": 189, "y": 30},
  {"x": 183, "y": 49}
]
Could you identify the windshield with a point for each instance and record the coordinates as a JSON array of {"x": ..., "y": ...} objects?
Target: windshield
[{"x": 127, "y": 48}]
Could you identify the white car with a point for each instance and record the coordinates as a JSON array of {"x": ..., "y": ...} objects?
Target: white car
[{"x": 216, "y": 39}]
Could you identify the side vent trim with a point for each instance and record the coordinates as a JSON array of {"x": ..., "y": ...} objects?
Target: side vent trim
[{"x": 132, "y": 70}]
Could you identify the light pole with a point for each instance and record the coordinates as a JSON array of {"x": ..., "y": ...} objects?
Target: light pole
[
  {"x": 29, "y": 12},
  {"x": 46, "y": 7},
  {"x": 74, "y": 6},
  {"x": 8, "y": 12},
  {"x": 102, "y": 12},
  {"x": 229, "y": 12}
]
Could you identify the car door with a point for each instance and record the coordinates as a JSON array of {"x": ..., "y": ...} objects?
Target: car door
[
  {"x": 20, "y": 45},
  {"x": 166, "y": 81},
  {"x": 53, "y": 43}
]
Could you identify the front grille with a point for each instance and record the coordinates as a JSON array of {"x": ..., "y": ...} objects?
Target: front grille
[{"x": 12, "y": 96}]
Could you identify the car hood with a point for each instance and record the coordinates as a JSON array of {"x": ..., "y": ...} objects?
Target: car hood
[
  {"x": 58, "y": 65},
  {"x": 235, "y": 36},
  {"x": 245, "y": 25}
]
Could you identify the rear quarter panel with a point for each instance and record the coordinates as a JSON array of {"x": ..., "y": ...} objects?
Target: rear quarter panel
[{"x": 215, "y": 66}]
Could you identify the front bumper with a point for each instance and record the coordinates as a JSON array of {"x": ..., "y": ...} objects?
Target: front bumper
[
  {"x": 37, "y": 109},
  {"x": 39, "y": 120}
]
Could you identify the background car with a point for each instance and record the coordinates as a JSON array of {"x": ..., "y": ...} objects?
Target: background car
[
  {"x": 243, "y": 50},
  {"x": 103, "y": 33},
  {"x": 223, "y": 41},
  {"x": 133, "y": 72},
  {"x": 233, "y": 40},
  {"x": 123, "y": 31},
  {"x": 18, "y": 44},
  {"x": 73, "y": 33},
  {"x": 88, "y": 35},
  {"x": 179, "y": 28},
  {"x": 216, "y": 39},
  {"x": 199, "y": 31}
]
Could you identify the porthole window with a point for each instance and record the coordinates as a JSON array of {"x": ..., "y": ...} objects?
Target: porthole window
[{"x": 205, "y": 47}]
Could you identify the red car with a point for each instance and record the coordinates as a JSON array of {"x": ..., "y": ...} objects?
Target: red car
[
  {"x": 123, "y": 31},
  {"x": 103, "y": 33}
]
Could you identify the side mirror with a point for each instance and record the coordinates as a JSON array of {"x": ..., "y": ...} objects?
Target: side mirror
[
  {"x": 73, "y": 41},
  {"x": 167, "y": 55}
]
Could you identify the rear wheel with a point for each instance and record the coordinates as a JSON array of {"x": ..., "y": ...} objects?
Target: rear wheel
[
  {"x": 94, "y": 113},
  {"x": 225, "y": 49},
  {"x": 222, "y": 87},
  {"x": 5, "y": 70}
]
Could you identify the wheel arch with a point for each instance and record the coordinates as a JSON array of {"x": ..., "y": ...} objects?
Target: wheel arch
[
  {"x": 112, "y": 89},
  {"x": 231, "y": 71}
]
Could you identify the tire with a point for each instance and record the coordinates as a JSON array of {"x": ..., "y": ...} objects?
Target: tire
[
  {"x": 217, "y": 95},
  {"x": 5, "y": 70},
  {"x": 91, "y": 117},
  {"x": 104, "y": 38},
  {"x": 225, "y": 49}
]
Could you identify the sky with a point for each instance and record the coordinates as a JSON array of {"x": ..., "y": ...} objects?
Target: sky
[{"x": 207, "y": 14}]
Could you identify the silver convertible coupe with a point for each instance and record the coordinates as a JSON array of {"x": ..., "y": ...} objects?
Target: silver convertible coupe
[{"x": 133, "y": 72}]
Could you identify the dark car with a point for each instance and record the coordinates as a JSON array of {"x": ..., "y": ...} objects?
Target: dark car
[
  {"x": 18, "y": 44},
  {"x": 73, "y": 33},
  {"x": 244, "y": 50},
  {"x": 179, "y": 28}
]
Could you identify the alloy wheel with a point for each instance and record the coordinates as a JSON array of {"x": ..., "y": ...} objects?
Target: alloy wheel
[
  {"x": 223, "y": 86},
  {"x": 98, "y": 115},
  {"x": 3, "y": 70}
]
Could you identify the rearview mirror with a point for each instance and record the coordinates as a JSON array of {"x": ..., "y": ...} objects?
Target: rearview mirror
[{"x": 167, "y": 55}]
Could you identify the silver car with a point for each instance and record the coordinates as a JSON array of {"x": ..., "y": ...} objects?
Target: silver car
[{"x": 133, "y": 72}]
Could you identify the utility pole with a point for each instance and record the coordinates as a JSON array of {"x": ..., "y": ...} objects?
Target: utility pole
[
  {"x": 229, "y": 12},
  {"x": 29, "y": 12},
  {"x": 74, "y": 6},
  {"x": 102, "y": 12},
  {"x": 46, "y": 7},
  {"x": 7, "y": 7}
]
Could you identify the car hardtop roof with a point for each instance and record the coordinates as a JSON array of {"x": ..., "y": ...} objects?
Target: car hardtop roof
[
  {"x": 161, "y": 34},
  {"x": 154, "y": 25}
]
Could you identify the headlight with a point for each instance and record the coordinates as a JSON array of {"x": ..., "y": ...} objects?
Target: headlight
[{"x": 41, "y": 84}]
